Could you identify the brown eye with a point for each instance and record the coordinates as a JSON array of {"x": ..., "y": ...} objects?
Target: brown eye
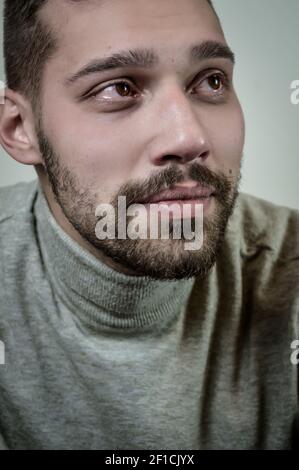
[
  {"x": 214, "y": 86},
  {"x": 123, "y": 88},
  {"x": 215, "y": 82},
  {"x": 114, "y": 92}
]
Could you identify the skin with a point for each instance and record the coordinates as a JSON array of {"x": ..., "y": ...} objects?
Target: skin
[{"x": 165, "y": 127}]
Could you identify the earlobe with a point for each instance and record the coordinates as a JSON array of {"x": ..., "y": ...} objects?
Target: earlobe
[{"x": 17, "y": 135}]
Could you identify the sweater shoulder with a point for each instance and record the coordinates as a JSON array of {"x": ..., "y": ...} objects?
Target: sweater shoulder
[
  {"x": 16, "y": 200},
  {"x": 260, "y": 224},
  {"x": 263, "y": 242}
]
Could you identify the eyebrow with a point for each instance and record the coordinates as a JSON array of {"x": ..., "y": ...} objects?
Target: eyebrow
[{"x": 147, "y": 58}]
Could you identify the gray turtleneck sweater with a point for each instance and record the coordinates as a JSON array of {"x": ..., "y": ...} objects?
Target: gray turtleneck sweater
[{"x": 96, "y": 359}]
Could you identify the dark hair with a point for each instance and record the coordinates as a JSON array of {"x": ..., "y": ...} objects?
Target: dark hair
[{"x": 28, "y": 44}]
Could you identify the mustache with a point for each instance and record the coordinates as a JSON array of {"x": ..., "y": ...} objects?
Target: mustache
[{"x": 136, "y": 191}]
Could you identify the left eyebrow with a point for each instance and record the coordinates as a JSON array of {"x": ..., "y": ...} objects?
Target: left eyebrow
[{"x": 147, "y": 58}]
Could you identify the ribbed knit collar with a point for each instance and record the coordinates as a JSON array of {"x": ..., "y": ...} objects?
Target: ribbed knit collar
[{"x": 96, "y": 293}]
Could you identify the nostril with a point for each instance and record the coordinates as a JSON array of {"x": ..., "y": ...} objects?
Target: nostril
[
  {"x": 204, "y": 155},
  {"x": 185, "y": 157},
  {"x": 171, "y": 157}
]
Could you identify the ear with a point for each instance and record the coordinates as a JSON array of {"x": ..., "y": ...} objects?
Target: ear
[{"x": 17, "y": 129}]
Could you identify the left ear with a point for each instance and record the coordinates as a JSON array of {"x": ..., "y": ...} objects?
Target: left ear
[{"x": 17, "y": 129}]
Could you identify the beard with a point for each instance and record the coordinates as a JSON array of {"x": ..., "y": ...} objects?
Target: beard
[{"x": 164, "y": 259}]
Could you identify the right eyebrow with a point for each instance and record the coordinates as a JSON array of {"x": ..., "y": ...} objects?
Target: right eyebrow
[
  {"x": 141, "y": 58},
  {"x": 147, "y": 58}
]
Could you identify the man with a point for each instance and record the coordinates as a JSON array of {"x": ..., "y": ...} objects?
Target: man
[{"x": 125, "y": 342}]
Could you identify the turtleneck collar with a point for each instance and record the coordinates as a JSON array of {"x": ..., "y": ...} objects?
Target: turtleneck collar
[{"x": 98, "y": 294}]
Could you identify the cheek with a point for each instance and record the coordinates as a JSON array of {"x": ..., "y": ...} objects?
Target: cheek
[
  {"x": 227, "y": 136},
  {"x": 93, "y": 147}
]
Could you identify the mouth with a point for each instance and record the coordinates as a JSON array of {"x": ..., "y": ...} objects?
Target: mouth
[
  {"x": 179, "y": 198},
  {"x": 180, "y": 194}
]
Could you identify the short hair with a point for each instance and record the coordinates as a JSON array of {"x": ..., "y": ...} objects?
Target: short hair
[{"x": 28, "y": 44}]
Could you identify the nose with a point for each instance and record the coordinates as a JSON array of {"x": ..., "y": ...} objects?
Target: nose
[{"x": 178, "y": 131}]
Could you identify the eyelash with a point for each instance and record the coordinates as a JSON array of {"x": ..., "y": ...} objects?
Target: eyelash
[{"x": 223, "y": 75}]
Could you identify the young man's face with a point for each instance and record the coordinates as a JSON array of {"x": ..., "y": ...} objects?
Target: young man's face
[{"x": 159, "y": 126}]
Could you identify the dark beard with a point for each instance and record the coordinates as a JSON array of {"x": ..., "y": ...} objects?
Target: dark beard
[{"x": 159, "y": 259}]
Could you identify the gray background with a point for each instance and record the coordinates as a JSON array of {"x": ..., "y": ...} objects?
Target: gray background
[{"x": 264, "y": 36}]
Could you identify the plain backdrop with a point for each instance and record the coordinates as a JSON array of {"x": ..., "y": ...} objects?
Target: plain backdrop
[{"x": 264, "y": 36}]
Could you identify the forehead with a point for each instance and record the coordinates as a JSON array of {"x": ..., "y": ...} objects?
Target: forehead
[{"x": 89, "y": 27}]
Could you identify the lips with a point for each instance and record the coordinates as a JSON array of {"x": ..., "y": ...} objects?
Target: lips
[{"x": 180, "y": 193}]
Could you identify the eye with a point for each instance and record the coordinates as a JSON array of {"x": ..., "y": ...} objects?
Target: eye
[
  {"x": 114, "y": 92},
  {"x": 214, "y": 85}
]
